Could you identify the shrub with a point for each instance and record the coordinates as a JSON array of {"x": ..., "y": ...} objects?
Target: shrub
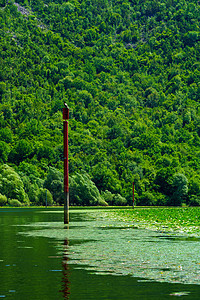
[
  {"x": 45, "y": 196},
  {"x": 83, "y": 191},
  {"x": 119, "y": 200},
  {"x": 146, "y": 199},
  {"x": 194, "y": 200},
  {"x": 3, "y": 200},
  {"x": 102, "y": 203},
  {"x": 33, "y": 194},
  {"x": 180, "y": 189},
  {"x": 161, "y": 199},
  {"x": 11, "y": 184},
  {"x": 15, "y": 202},
  {"x": 108, "y": 197},
  {"x": 54, "y": 183}
]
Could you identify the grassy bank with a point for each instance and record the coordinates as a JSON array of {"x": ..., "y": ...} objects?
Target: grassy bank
[{"x": 178, "y": 219}]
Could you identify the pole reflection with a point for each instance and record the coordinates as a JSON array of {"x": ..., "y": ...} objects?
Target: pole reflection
[{"x": 66, "y": 273}]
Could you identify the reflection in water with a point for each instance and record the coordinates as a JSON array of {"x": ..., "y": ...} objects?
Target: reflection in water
[{"x": 65, "y": 279}]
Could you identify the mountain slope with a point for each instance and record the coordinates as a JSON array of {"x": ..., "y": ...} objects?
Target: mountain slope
[{"x": 129, "y": 71}]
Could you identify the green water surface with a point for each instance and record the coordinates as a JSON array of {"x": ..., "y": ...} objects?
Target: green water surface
[{"x": 95, "y": 258}]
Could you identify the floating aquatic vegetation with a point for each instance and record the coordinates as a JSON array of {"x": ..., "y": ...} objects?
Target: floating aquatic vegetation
[
  {"x": 182, "y": 219},
  {"x": 106, "y": 246}
]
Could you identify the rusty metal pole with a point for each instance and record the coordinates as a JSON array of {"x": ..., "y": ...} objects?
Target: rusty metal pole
[
  {"x": 66, "y": 164},
  {"x": 133, "y": 195}
]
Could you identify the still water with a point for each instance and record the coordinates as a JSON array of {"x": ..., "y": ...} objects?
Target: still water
[{"x": 95, "y": 258}]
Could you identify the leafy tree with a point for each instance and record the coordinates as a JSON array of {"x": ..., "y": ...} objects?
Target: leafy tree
[
  {"x": 11, "y": 185},
  {"x": 46, "y": 152},
  {"x": 180, "y": 188},
  {"x": 83, "y": 191},
  {"x": 194, "y": 192},
  {"x": 194, "y": 200},
  {"x": 15, "y": 203},
  {"x": 146, "y": 199},
  {"x": 6, "y": 135},
  {"x": 54, "y": 184},
  {"x": 45, "y": 197},
  {"x": 4, "y": 151},
  {"x": 129, "y": 72},
  {"x": 119, "y": 200},
  {"x": 20, "y": 151},
  {"x": 163, "y": 180},
  {"x": 2, "y": 89},
  {"x": 104, "y": 178},
  {"x": 108, "y": 197},
  {"x": 33, "y": 192},
  {"x": 3, "y": 200}
]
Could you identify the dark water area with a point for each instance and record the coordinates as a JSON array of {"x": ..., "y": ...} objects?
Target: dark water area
[{"x": 39, "y": 259}]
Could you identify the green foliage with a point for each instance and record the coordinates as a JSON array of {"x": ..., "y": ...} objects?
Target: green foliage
[
  {"x": 45, "y": 197},
  {"x": 113, "y": 199},
  {"x": 3, "y": 200},
  {"x": 20, "y": 151},
  {"x": 4, "y": 152},
  {"x": 108, "y": 197},
  {"x": 119, "y": 200},
  {"x": 194, "y": 200},
  {"x": 6, "y": 135},
  {"x": 11, "y": 184},
  {"x": 194, "y": 186},
  {"x": 102, "y": 202},
  {"x": 83, "y": 191},
  {"x": 130, "y": 75},
  {"x": 33, "y": 192},
  {"x": 146, "y": 199},
  {"x": 54, "y": 184},
  {"x": 183, "y": 219},
  {"x": 180, "y": 186},
  {"x": 104, "y": 178},
  {"x": 15, "y": 203}
]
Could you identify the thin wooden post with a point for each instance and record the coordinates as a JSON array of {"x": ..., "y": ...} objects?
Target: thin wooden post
[
  {"x": 46, "y": 198},
  {"x": 133, "y": 195},
  {"x": 66, "y": 164}
]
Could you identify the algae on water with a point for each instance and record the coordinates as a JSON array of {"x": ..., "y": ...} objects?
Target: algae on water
[{"x": 104, "y": 245}]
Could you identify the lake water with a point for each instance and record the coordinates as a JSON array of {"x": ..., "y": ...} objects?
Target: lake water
[{"x": 96, "y": 257}]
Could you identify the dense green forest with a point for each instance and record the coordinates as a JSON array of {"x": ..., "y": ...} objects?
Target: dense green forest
[{"x": 130, "y": 73}]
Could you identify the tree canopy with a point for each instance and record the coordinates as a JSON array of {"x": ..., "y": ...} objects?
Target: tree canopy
[{"x": 129, "y": 71}]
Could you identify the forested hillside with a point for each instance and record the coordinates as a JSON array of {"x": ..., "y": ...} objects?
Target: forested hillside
[{"x": 130, "y": 73}]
